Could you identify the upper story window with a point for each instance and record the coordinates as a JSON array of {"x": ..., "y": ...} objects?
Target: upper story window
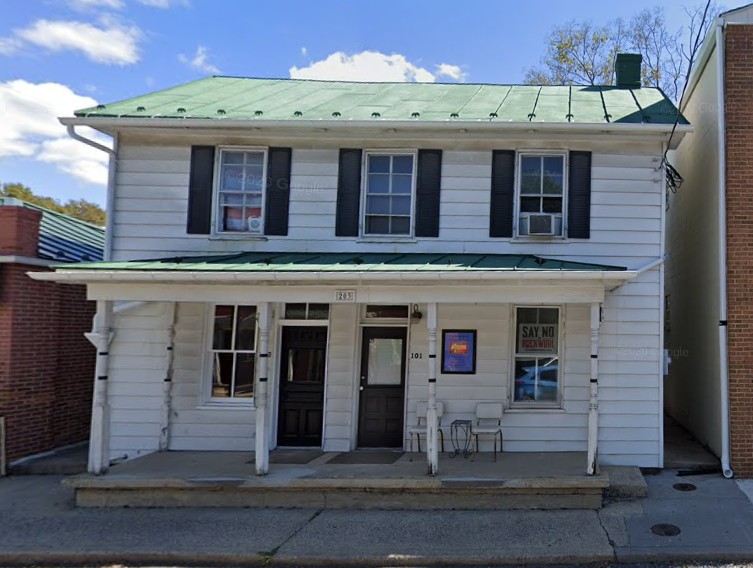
[
  {"x": 233, "y": 352},
  {"x": 388, "y": 194},
  {"x": 240, "y": 190},
  {"x": 541, "y": 195}
]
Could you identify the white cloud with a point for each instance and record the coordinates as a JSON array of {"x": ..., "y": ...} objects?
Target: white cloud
[
  {"x": 364, "y": 66},
  {"x": 451, "y": 72},
  {"x": 164, "y": 4},
  {"x": 9, "y": 45},
  {"x": 112, "y": 43},
  {"x": 31, "y": 129},
  {"x": 200, "y": 61},
  {"x": 83, "y": 5}
]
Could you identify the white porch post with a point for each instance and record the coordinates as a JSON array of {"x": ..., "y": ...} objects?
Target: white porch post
[
  {"x": 262, "y": 436},
  {"x": 164, "y": 431},
  {"x": 432, "y": 430},
  {"x": 100, "y": 337},
  {"x": 593, "y": 406}
]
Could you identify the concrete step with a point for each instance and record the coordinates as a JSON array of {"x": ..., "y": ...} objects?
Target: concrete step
[{"x": 414, "y": 494}]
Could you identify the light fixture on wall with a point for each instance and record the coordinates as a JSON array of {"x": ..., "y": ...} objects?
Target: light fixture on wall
[{"x": 415, "y": 314}]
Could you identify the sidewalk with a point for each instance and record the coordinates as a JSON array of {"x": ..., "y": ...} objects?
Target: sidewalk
[{"x": 38, "y": 525}]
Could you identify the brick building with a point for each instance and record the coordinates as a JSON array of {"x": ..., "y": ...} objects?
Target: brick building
[
  {"x": 710, "y": 245},
  {"x": 46, "y": 363}
]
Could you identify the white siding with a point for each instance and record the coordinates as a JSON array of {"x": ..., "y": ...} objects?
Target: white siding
[
  {"x": 137, "y": 370},
  {"x": 341, "y": 374},
  {"x": 692, "y": 387},
  {"x": 152, "y": 197}
]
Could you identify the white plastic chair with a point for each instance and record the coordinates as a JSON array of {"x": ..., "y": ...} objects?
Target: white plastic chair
[
  {"x": 489, "y": 421},
  {"x": 420, "y": 428}
]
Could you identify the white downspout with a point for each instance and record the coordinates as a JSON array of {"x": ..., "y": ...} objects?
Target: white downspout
[
  {"x": 432, "y": 426},
  {"x": 261, "y": 455},
  {"x": 111, "y": 172},
  {"x": 722, "y": 222},
  {"x": 593, "y": 405},
  {"x": 167, "y": 382},
  {"x": 99, "y": 442}
]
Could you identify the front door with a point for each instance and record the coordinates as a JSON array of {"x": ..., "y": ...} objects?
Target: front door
[
  {"x": 302, "y": 363},
  {"x": 382, "y": 389}
]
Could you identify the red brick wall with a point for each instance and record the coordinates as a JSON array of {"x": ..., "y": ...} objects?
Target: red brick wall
[
  {"x": 739, "y": 132},
  {"x": 19, "y": 230},
  {"x": 46, "y": 364}
]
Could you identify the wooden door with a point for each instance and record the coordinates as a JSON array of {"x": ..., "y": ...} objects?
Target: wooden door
[
  {"x": 302, "y": 367},
  {"x": 382, "y": 389}
]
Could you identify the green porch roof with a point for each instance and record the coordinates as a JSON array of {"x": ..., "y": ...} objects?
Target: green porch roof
[
  {"x": 238, "y": 98},
  {"x": 345, "y": 262}
]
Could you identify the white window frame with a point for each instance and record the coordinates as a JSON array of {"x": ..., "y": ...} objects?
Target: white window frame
[
  {"x": 208, "y": 366},
  {"x": 217, "y": 228},
  {"x": 538, "y": 405},
  {"x": 519, "y": 178},
  {"x": 364, "y": 187}
]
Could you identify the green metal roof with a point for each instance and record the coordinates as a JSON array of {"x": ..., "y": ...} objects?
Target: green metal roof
[
  {"x": 346, "y": 262},
  {"x": 237, "y": 98},
  {"x": 64, "y": 238}
]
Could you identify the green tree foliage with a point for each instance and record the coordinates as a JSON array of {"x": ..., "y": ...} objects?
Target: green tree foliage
[
  {"x": 78, "y": 208},
  {"x": 581, "y": 53}
]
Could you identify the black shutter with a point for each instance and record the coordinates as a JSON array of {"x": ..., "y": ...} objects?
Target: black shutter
[
  {"x": 427, "y": 192},
  {"x": 579, "y": 196},
  {"x": 348, "y": 193},
  {"x": 199, "y": 221},
  {"x": 502, "y": 209},
  {"x": 278, "y": 191}
]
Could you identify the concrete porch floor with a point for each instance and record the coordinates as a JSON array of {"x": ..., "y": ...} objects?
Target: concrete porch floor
[{"x": 222, "y": 479}]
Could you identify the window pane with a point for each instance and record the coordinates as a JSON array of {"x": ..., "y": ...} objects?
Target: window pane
[
  {"x": 377, "y": 225},
  {"x": 223, "y": 327},
  {"x": 306, "y": 365},
  {"x": 548, "y": 315},
  {"x": 244, "y": 375},
  {"x": 295, "y": 311},
  {"x": 232, "y": 219},
  {"x": 376, "y": 311},
  {"x": 400, "y": 226},
  {"x": 253, "y": 179},
  {"x": 537, "y": 331},
  {"x": 385, "y": 361},
  {"x": 402, "y": 184},
  {"x": 536, "y": 380},
  {"x": 379, "y": 183},
  {"x": 552, "y": 204},
  {"x": 255, "y": 159},
  {"x": 318, "y": 311},
  {"x": 402, "y": 165},
  {"x": 378, "y": 205},
  {"x": 379, "y": 164},
  {"x": 232, "y": 157},
  {"x": 231, "y": 198},
  {"x": 530, "y": 204},
  {"x": 222, "y": 372},
  {"x": 401, "y": 205},
  {"x": 530, "y": 184},
  {"x": 553, "y": 174},
  {"x": 530, "y": 165},
  {"x": 244, "y": 337},
  {"x": 232, "y": 178}
]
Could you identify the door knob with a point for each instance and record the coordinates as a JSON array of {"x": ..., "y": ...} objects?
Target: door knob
[{"x": 360, "y": 388}]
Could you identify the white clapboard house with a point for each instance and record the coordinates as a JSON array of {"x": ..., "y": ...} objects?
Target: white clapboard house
[{"x": 303, "y": 263}]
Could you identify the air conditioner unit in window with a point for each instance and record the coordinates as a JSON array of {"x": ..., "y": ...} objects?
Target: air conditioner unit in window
[
  {"x": 541, "y": 225},
  {"x": 254, "y": 224}
]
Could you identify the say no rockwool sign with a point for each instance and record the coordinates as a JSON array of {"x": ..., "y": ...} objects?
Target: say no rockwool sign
[{"x": 537, "y": 338}]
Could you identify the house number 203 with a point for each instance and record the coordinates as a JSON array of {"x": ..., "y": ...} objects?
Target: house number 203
[{"x": 416, "y": 355}]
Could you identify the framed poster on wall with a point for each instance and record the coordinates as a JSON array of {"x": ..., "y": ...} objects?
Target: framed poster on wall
[{"x": 459, "y": 351}]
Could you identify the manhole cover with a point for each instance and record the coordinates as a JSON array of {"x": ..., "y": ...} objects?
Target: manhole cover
[
  {"x": 684, "y": 487},
  {"x": 665, "y": 530}
]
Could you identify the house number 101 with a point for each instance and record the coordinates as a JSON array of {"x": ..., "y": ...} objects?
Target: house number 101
[{"x": 416, "y": 356}]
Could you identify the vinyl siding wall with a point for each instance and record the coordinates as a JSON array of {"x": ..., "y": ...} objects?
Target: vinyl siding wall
[
  {"x": 629, "y": 380},
  {"x": 627, "y": 207}
]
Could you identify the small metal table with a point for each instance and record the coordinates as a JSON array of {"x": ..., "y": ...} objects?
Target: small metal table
[{"x": 460, "y": 438}]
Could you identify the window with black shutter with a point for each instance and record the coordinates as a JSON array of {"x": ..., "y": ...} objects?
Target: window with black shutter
[{"x": 243, "y": 190}]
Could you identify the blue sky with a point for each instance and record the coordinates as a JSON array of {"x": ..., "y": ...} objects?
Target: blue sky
[{"x": 59, "y": 55}]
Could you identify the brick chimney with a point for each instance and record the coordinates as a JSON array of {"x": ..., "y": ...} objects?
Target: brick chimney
[{"x": 19, "y": 230}]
